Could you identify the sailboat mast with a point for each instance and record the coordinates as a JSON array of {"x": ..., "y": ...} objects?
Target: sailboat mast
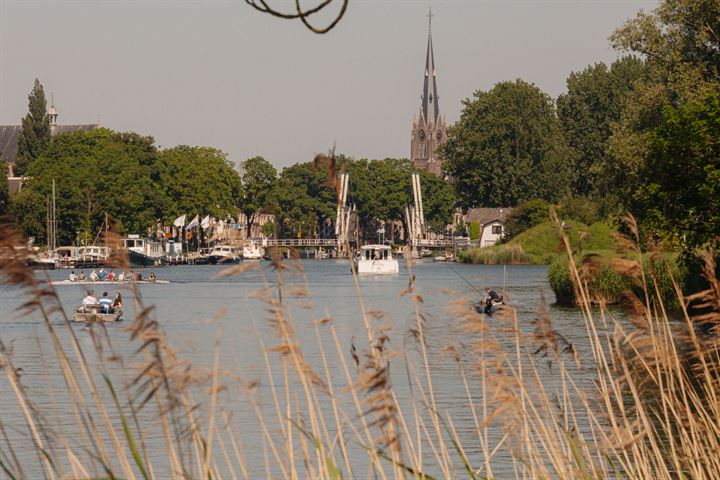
[{"x": 54, "y": 220}]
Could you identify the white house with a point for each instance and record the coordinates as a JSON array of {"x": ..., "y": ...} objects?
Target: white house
[{"x": 491, "y": 222}]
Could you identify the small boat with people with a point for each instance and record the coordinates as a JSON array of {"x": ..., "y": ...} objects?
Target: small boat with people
[
  {"x": 143, "y": 252},
  {"x": 224, "y": 254},
  {"x": 491, "y": 303},
  {"x": 376, "y": 260},
  {"x": 103, "y": 310}
]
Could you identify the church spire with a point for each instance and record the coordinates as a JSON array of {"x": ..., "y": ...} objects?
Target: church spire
[{"x": 430, "y": 106}]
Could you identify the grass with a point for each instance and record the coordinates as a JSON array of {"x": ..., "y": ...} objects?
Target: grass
[
  {"x": 651, "y": 411},
  {"x": 540, "y": 244}
]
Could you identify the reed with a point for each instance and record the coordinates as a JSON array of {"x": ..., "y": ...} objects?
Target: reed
[
  {"x": 504, "y": 254},
  {"x": 651, "y": 411}
]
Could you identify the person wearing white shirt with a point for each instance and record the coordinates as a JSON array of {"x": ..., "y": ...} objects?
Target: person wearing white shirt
[
  {"x": 72, "y": 277},
  {"x": 89, "y": 301}
]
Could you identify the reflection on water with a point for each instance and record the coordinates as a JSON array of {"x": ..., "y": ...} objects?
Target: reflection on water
[{"x": 187, "y": 306}]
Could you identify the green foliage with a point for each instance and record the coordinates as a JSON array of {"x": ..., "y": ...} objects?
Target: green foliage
[
  {"x": 35, "y": 134},
  {"x": 495, "y": 255},
  {"x": 123, "y": 176},
  {"x": 681, "y": 195},
  {"x": 29, "y": 210},
  {"x": 438, "y": 201},
  {"x": 4, "y": 189},
  {"x": 305, "y": 201},
  {"x": 579, "y": 208},
  {"x": 508, "y": 147},
  {"x": 595, "y": 100},
  {"x": 680, "y": 43},
  {"x": 560, "y": 281},
  {"x": 259, "y": 179},
  {"x": 198, "y": 180},
  {"x": 474, "y": 231},
  {"x": 526, "y": 215}
]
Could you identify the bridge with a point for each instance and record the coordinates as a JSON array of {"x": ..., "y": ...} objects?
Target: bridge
[{"x": 333, "y": 242}]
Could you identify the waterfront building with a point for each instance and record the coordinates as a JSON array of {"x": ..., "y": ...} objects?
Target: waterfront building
[
  {"x": 429, "y": 128},
  {"x": 491, "y": 223}
]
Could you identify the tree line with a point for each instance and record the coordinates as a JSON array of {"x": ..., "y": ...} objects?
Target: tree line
[{"x": 640, "y": 135}]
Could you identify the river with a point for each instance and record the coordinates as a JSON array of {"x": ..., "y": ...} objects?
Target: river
[{"x": 197, "y": 301}]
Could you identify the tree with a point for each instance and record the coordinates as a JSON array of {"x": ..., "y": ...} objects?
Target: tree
[
  {"x": 438, "y": 201},
  {"x": 259, "y": 178},
  {"x": 682, "y": 193},
  {"x": 508, "y": 147},
  {"x": 198, "y": 180},
  {"x": 4, "y": 189},
  {"x": 681, "y": 46},
  {"x": 595, "y": 100},
  {"x": 35, "y": 133},
  {"x": 525, "y": 216}
]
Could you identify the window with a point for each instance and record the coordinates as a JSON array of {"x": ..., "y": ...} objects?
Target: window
[{"x": 497, "y": 229}]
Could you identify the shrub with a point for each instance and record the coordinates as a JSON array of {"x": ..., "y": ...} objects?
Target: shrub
[
  {"x": 474, "y": 231},
  {"x": 581, "y": 209},
  {"x": 560, "y": 281},
  {"x": 525, "y": 216}
]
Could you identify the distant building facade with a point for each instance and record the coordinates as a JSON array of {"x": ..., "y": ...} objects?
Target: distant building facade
[
  {"x": 10, "y": 140},
  {"x": 491, "y": 222},
  {"x": 429, "y": 128}
]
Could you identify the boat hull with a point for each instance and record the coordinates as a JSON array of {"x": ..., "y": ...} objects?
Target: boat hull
[
  {"x": 139, "y": 260},
  {"x": 378, "y": 267},
  {"x": 88, "y": 317},
  {"x": 223, "y": 260}
]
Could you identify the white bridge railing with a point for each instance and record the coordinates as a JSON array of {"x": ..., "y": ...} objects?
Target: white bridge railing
[{"x": 332, "y": 242}]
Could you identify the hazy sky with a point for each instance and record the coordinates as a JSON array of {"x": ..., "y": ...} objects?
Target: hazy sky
[{"x": 220, "y": 74}]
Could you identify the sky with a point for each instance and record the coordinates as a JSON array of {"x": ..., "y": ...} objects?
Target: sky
[{"x": 218, "y": 73}]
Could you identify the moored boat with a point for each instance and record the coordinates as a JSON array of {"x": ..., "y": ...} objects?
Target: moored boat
[
  {"x": 251, "y": 251},
  {"x": 222, "y": 254},
  {"x": 376, "y": 260},
  {"x": 143, "y": 252}
]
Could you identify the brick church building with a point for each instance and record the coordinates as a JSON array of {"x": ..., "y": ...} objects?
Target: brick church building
[{"x": 429, "y": 128}]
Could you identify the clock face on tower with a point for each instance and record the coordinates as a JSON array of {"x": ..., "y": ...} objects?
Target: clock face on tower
[{"x": 422, "y": 134}]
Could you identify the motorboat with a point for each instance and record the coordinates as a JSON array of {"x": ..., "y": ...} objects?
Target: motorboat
[
  {"x": 376, "y": 260},
  {"x": 85, "y": 256},
  {"x": 221, "y": 254},
  {"x": 251, "y": 251},
  {"x": 143, "y": 252},
  {"x": 94, "y": 313}
]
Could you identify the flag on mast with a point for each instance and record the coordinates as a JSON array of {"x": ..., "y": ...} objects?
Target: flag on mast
[
  {"x": 180, "y": 221},
  {"x": 205, "y": 224},
  {"x": 194, "y": 223}
]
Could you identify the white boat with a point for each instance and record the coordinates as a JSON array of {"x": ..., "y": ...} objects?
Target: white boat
[
  {"x": 376, "y": 260},
  {"x": 86, "y": 256},
  {"x": 224, "y": 254},
  {"x": 143, "y": 252},
  {"x": 251, "y": 251},
  {"x": 93, "y": 313}
]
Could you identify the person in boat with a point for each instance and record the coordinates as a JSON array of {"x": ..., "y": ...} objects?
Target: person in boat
[
  {"x": 94, "y": 276},
  {"x": 110, "y": 276},
  {"x": 117, "y": 303},
  {"x": 138, "y": 276},
  {"x": 492, "y": 298},
  {"x": 81, "y": 276},
  {"x": 152, "y": 277},
  {"x": 121, "y": 276},
  {"x": 102, "y": 274},
  {"x": 89, "y": 302},
  {"x": 72, "y": 277},
  {"x": 106, "y": 303}
]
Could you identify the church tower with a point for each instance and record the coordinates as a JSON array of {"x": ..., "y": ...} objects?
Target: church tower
[{"x": 429, "y": 129}]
